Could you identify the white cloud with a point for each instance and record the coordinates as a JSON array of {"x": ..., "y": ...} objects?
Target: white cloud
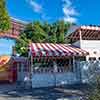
[
  {"x": 36, "y": 7},
  {"x": 69, "y": 12},
  {"x": 67, "y": 3},
  {"x": 70, "y": 19},
  {"x": 45, "y": 17}
]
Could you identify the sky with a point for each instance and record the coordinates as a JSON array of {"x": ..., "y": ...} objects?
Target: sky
[
  {"x": 81, "y": 12},
  {"x": 6, "y": 46}
]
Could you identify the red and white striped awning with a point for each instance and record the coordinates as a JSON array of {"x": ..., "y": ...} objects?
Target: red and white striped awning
[{"x": 53, "y": 50}]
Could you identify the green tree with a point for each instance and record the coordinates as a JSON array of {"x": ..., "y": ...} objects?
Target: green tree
[
  {"x": 35, "y": 33},
  {"x": 60, "y": 31},
  {"x": 60, "y": 28},
  {"x": 94, "y": 92},
  {"x": 22, "y": 45},
  {"x": 52, "y": 34},
  {"x": 32, "y": 33},
  {"x": 4, "y": 17},
  {"x": 41, "y": 32}
]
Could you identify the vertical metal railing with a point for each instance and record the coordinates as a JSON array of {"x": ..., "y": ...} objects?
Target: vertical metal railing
[{"x": 89, "y": 69}]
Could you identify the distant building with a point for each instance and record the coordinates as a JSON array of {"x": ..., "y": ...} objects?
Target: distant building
[
  {"x": 10, "y": 65},
  {"x": 7, "y": 40},
  {"x": 87, "y": 38},
  {"x": 16, "y": 27}
]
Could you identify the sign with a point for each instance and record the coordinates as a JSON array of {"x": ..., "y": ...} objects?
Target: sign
[
  {"x": 4, "y": 66},
  {"x": 4, "y": 63}
]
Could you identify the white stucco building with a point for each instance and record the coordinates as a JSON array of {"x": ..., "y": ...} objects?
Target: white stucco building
[{"x": 87, "y": 38}]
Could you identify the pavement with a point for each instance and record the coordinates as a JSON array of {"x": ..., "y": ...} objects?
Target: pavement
[{"x": 11, "y": 92}]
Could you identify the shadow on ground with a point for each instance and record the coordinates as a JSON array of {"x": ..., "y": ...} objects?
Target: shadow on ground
[{"x": 58, "y": 93}]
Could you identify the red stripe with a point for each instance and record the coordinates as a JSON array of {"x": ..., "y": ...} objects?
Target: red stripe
[
  {"x": 39, "y": 49},
  {"x": 45, "y": 50},
  {"x": 66, "y": 49},
  {"x": 61, "y": 52},
  {"x": 32, "y": 49},
  {"x": 79, "y": 50},
  {"x": 57, "y": 50},
  {"x": 70, "y": 49},
  {"x": 51, "y": 51},
  {"x": 74, "y": 50}
]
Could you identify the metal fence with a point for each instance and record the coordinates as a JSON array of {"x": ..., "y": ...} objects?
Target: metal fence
[{"x": 89, "y": 70}]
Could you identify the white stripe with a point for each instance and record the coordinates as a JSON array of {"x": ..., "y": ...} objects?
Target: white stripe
[
  {"x": 76, "y": 50},
  {"x": 50, "y": 53},
  {"x": 40, "y": 47},
  {"x": 60, "y": 50},
  {"x": 54, "y": 50},
  {"x": 45, "y": 47},
  {"x": 34, "y": 47},
  {"x": 91, "y": 27},
  {"x": 67, "y": 47}
]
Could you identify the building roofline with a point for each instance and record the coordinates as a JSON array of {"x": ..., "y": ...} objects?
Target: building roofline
[
  {"x": 76, "y": 27},
  {"x": 18, "y": 20},
  {"x": 87, "y": 31}
]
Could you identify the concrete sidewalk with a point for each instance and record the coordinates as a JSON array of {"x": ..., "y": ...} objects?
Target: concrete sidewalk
[
  {"x": 7, "y": 87},
  {"x": 10, "y": 92}
]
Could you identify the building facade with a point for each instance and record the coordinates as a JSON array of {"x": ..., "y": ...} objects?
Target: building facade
[
  {"x": 87, "y": 38},
  {"x": 10, "y": 66},
  {"x": 7, "y": 40}
]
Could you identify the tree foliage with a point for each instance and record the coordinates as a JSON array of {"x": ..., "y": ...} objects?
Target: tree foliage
[
  {"x": 94, "y": 93},
  {"x": 22, "y": 45},
  {"x": 41, "y": 32},
  {"x": 4, "y": 17},
  {"x": 34, "y": 32}
]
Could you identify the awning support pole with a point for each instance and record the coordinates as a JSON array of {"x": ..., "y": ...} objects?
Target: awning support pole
[
  {"x": 73, "y": 64},
  {"x": 70, "y": 65},
  {"x": 31, "y": 65}
]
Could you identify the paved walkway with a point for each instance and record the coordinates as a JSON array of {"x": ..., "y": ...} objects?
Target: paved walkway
[{"x": 10, "y": 92}]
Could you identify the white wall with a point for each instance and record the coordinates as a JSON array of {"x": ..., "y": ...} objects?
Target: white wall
[
  {"x": 51, "y": 79},
  {"x": 91, "y": 46}
]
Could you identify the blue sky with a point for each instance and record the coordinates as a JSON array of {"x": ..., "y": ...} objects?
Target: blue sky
[
  {"x": 6, "y": 46},
  {"x": 78, "y": 11},
  {"x": 82, "y": 12}
]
